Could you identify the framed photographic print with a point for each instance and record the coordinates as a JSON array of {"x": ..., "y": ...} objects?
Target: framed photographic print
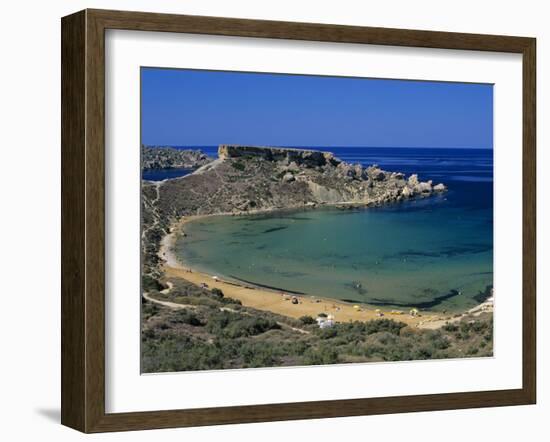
[{"x": 267, "y": 220}]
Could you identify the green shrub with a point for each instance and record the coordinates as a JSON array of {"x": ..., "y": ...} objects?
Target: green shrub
[
  {"x": 148, "y": 283},
  {"x": 238, "y": 165},
  {"x": 384, "y": 325},
  {"x": 217, "y": 292},
  {"x": 233, "y": 325},
  {"x": 307, "y": 320},
  {"x": 231, "y": 301},
  {"x": 250, "y": 327},
  {"x": 328, "y": 333},
  {"x": 423, "y": 352},
  {"x": 437, "y": 340},
  {"x": 450, "y": 327},
  {"x": 149, "y": 309},
  {"x": 185, "y": 316},
  {"x": 321, "y": 356}
]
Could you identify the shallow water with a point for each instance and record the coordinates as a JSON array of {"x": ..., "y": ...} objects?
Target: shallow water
[{"x": 435, "y": 253}]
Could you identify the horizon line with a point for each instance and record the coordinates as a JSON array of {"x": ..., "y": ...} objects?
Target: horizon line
[{"x": 314, "y": 146}]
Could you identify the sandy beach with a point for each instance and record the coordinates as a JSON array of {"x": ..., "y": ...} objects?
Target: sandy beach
[{"x": 280, "y": 302}]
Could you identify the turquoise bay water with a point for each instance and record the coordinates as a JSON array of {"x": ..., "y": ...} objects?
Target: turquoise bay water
[{"x": 435, "y": 253}]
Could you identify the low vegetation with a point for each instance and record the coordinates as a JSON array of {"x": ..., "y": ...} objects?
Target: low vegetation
[{"x": 211, "y": 331}]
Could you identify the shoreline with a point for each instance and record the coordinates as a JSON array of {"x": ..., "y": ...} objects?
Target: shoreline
[{"x": 280, "y": 301}]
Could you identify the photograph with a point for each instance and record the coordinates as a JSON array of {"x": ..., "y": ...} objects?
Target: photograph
[
  {"x": 271, "y": 221},
  {"x": 304, "y": 220}
]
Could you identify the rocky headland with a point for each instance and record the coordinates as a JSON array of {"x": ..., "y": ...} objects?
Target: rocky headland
[
  {"x": 158, "y": 157},
  {"x": 249, "y": 179}
]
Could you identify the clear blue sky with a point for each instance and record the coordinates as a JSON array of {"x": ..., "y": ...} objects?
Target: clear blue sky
[{"x": 201, "y": 108}]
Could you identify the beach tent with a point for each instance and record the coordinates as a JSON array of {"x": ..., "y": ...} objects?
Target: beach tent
[{"x": 326, "y": 323}]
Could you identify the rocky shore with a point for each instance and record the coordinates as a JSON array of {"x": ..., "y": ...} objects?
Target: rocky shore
[{"x": 157, "y": 157}]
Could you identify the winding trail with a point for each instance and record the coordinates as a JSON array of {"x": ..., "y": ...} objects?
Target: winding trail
[
  {"x": 176, "y": 306},
  {"x": 169, "y": 304},
  {"x": 153, "y": 203}
]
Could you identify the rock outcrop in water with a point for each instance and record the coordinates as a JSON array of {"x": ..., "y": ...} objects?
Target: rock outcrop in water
[
  {"x": 246, "y": 179},
  {"x": 154, "y": 157}
]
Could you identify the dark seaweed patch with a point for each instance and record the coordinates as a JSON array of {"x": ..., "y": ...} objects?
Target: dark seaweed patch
[
  {"x": 267, "y": 286},
  {"x": 467, "y": 249},
  {"x": 274, "y": 216},
  {"x": 356, "y": 287},
  {"x": 275, "y": 229},
  {"x": 291, "y": 274},
  {"x": 482, "y": 296},
  {"x": 422, "y": 305},
  {"x": 446, "y": 252},
  {"x": 413, "y": 253}
]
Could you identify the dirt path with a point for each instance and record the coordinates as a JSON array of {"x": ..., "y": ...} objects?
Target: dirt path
[
  {"x": 176, "y": 306},
  {"x": 169, "y": 304},
  {"x": 152, "y": 203},
  {"x": 485, "y": 307}
]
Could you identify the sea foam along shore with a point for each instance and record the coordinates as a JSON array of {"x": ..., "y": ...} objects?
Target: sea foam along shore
[{"x": 278, "y": 301}]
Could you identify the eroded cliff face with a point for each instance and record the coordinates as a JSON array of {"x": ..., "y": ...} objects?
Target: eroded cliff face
[
  {"x": 245, "y": 179},
  {"x": 301, "y": 157}
]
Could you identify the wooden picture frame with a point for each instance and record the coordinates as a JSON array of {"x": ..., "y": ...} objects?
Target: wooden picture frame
[{"x": 83, "y": 220}]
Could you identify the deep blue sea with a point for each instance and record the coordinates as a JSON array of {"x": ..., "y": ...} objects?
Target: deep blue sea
[{"x": 435, "y": 253}]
